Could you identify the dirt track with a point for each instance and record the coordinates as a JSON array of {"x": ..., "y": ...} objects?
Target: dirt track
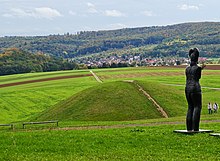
[
  {"x": 43, "y": 80},
  {"x": 96, "y": 77},
  {"x": 213, "y": 67},
  {"x": 159, "y": 108}
]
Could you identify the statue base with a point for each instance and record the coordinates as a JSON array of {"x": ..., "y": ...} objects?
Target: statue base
[
  {"x": 215, "y": 134},
  {"x": 192, "y": 132}
]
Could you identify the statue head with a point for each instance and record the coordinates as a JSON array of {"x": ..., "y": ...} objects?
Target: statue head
[{"x": 194, "y": 54}]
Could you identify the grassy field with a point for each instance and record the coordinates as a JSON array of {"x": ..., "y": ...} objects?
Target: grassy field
[
  {"x": 114, "y": 97},
  {"x": 20, "y": 102},
  {"x": 156, "y": 142},
  {"x": 112, "y": 120},
  {"x": 33, "y": 76}
]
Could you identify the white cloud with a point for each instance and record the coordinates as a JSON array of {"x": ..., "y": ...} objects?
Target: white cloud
[
  {"x": 188, "y": 7},
  {"x": 16, "y": 12},
  {"x": 91, "y": 8},
  {"x": 113, "y": 13},
  {"x": 46, "y": 12},
  {"x": 43, "y": 12},
  {"x": 148, "y": 13},
  {"x": 90, "y": 5}
]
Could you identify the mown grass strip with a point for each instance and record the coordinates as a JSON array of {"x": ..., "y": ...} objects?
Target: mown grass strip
[{"x": 43, "y": 80}]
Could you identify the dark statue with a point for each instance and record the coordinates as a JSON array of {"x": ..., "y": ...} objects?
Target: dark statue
[
  {"x": 193, "y": 91},
  {"x": 193, "y": 95}
]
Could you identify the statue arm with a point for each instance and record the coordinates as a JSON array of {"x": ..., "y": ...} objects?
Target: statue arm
[{"x": 203, "y": 66}]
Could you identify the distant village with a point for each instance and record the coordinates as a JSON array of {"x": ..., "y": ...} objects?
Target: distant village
[{"x": 115, "y": 61}]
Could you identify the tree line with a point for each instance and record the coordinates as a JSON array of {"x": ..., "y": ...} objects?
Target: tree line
[
  {"x": 15, "y": 61},
  {"x": 205, "y": 35}
]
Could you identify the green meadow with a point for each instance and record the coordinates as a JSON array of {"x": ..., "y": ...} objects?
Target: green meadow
[
  {"x": 18, "y": 103},
  {"x": 139, "y": 143},
  {"x": 112, "y": 120}
]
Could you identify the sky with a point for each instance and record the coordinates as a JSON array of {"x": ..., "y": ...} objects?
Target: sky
[{"x": 46, "y": 17}]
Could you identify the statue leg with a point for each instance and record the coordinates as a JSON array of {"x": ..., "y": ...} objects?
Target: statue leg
[
  {"x": 197, "y": 101},
  {"x": 189, "y": 115}
]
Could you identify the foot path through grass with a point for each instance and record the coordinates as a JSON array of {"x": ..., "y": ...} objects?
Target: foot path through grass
[
  {"x": 159, "y": 108},
  {"x": 96, "y": 77}
]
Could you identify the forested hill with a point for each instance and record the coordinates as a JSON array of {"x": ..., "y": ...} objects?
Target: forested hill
[
  {"x": 14, "y": 61},
  {"x": 172, "y": 40}
]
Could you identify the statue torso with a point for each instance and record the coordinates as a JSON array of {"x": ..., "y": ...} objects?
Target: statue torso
[{"x": 193, "y": 74}]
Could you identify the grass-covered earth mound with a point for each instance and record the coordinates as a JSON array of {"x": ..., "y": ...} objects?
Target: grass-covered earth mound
[
  {"x": 107, "y": 101},
  {"x": 113, "y": 101}
]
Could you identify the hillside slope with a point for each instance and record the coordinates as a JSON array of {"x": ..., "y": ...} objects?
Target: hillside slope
[
  {"x": 114, "y": 101},
  {"x": 172, "y": 100},
  {"x": 167, "y": 40}
]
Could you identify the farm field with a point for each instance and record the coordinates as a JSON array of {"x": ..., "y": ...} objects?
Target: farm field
[
  {"x": 112, "y": 120},
  {"x": 18, "y": 102},
  {"x": 39, "y": 92}
]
